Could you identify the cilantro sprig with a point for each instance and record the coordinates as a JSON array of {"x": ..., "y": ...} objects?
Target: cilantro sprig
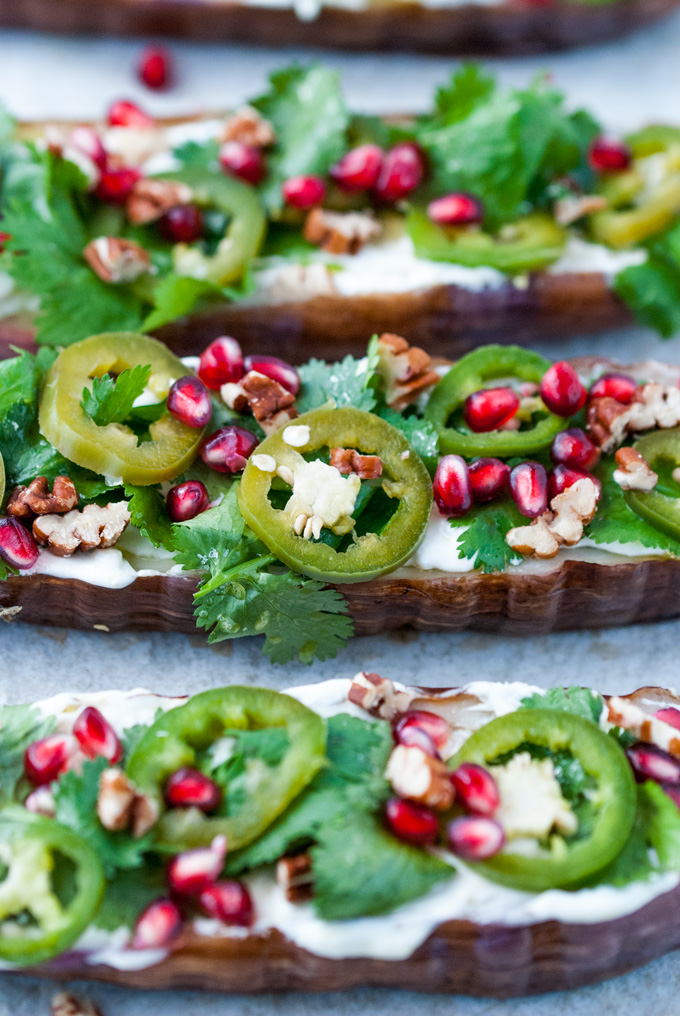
[{"x": 110, "y": 400}]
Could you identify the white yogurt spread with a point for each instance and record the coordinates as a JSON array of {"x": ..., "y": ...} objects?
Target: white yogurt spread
[{"x": 309, "y": 10}]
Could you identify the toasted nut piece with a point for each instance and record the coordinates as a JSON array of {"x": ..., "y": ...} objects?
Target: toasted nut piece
[
  {"x": 116, "y": 260},
  {"x": 653, "y": 405},
  {"x": 149, "y": 199},
  {"x": 634, "y": 472},
  {"x": 94, "y": 526},
  {"x": 37, "y": 499},
  {"x": 645, "y": 727},
  {"x": 121, "y": 806},
  {"x": 65, "y": 1004},
  {"x": 41, "y": 802},
  {"x": 270, "y": 403},
  {"x": 607, "y": 418},
  {"x": 418, "y": 777},
  {"x": 145, "y": 812},
  {"x": 248, "y": 127},
  {"x": 563, "y": 524},
  {"x": 348, "y": 460},
  {"x": 340, "y": 232},
  {"x": 294, "y": 875},
  {"x": 536, "y": 539},
  {"x": 405, "y": 370},
  {"x": 378, "y": 696},
  {"x": 574, "y": 206}
]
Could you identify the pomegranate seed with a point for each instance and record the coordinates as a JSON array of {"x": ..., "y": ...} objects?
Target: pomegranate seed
[
  {"x": 614, "y": 386},
  {"x": 489, "y": 478},
  {"x": 562, "y": 477},
  {"x": 242, "y": 161},
  {"x": 490, "y": 408},
  {"x": 435, "y": 726},
  {"x": 189, "y": 401},
  {"x": 476, "y": 789},
  {"x": 413, "y": 823},
  {"x": 115, "y": 185},
  {"x": 221, "y": 362},
  {"x": 157, "y": 925},
  {"x": 277, "y": 370},
  {"x": 181, "y": 224},
  {"x": 303, "y": 191},
  {"x": 412, "y": 735},
  {"x": 607, "y": 155},
  {"x": 87, "y": 141},
  {"x": 671, "y": 715},
  {"x": 451, "y": 486},
  {"x": 402, "y": 170},
  {"x": 96, "y": 736},
  {"x": 187, "y": 500},
  {"x": 359, "y": 169},
  {"x": 652, "y": 763},
  {"x": 47, "y": 759},
  {"x": 124, "y": 113},
  {"x": 4, "y": 237},
  {"x": 190, "y": 788},
  {"x": 228, "y": 901},
  {"x": 456, "y": 210},
  {"x": 475, "y": 838},
  {"x": 672, "y": 792},
  {"x": 228, "y": 449},
  {"x": 528, "y": 389},
  {"x": 529, "y": 488},
  {"x": 561, "y": 389},
  {"x": 574, "y": 448},
  {"x": 155, "y": 67},
  {"x": 17, "y": 546},
  {"x": 192, "y": 871}
]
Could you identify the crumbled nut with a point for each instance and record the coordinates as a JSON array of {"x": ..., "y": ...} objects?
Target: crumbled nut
[
  {"x": 270, "y": 403},
  {"x": 653, "y": 405},
  {"x": 378, "y": 696},
  {"x": 116, "y": 260},
  {"x": 563, "y": 524},
  {"x": 94, "y": 526},
  {"x": 405, "y": 370},
  {"x": 574, "y": 206},
  {"x": 64, "y": 1004},
  {"x": 340, "y": 232},
  {"x": 149, "y": 199},
  {"x": 321, "y": 497},
  {"x": 121, "y": 806},
  {"x": 646, "y": 727},
  {"x": 248, "y": 127},
  {"x": 41, "y": 802},
  {"x": 145, "y": 812},
  {"x": 676, "y": 474},
  {"x": 348, "y": 460},
  {"x": 418, "y": 777},
  {"x": 37, "y": 499},
  {"x": 634, "y": 472},
  {"x": 9, "y": 614},
  {"x": 294, "y": 876}
]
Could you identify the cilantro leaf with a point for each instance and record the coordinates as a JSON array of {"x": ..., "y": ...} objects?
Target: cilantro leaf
[
  {"x": 131, "y": 736},
  {"x": 420, "y": 433},
  {"x": 21, "y": 377},
  {"x": 652, "y": 291},
  {"x": 127, "y": 893},
  {"x": 346, "y": 382},
  {"x": 148, "y": 513},
  {"x": 110, "y": 400},
  {"x": 466, "y": 90},
  {"x": 193, "y": 153},
  {"x": 175, "y": 296},
  {"x": 582, "y": 702},
  {"x": 484, "y": 530},
  {"x": 19, "y": 727},
  {"x": 308, "y": 113},
  {"x": 616, "y": 522},
  {"x": 75, "y": 799},
  {"x": 360, "y": 870}
]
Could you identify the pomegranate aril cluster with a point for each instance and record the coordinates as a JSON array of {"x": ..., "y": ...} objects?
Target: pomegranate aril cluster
[{"x": 476, "y": 836}]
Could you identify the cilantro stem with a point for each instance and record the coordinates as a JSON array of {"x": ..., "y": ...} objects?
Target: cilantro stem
[{"x": 224, "y": 576}]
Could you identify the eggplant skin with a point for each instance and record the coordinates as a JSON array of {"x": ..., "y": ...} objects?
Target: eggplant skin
[{"x": 509, "y": 27}]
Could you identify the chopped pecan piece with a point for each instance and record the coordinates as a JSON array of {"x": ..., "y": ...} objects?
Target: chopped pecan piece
[
  {"x": 418, "y": 777},
  {"x": 121, "y": 806},
  {"x": 378, "y": 696},
  {"x": 65, "y": 1004},
  {"x": 573, "y": 207},
  {"x": 633, "y": 472},
  {"x": 149, "y": 199},
  {"x": 406, "y": 370},
  {"x": 645, "y": 727},
  {"x": 94, "y": 526},
  {"x": 248, "y": 127},
  {"x": 653, "y": 405},
  {"x": 271, "y": 404},
  {"x": 37, "y": 499},
  {"x": 116, "y": 260},
  {"x": 340, "y": 232},
  {"x": 607, "y": 418},
  {"x": 563, "y": 524},
  {"x": 294, "y": 875},
  {"x": 348, "y": 460}
]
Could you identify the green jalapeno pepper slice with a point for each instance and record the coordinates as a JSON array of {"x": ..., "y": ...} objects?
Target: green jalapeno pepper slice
[
  {"x": 529, "y": 244},
  {"x": 38, "y": 920},
  {"x": 659, "y": 509},
  {"x": 113, "y": 450},
  {"x": 245, "y": 229},
  {"x": 469, "y": 375},
  {"x": 2, "y": 480},
  {"x": 360, "y": 557},
  {"x": 178, "y": 737},
  {"x": 614, "y": 797}
]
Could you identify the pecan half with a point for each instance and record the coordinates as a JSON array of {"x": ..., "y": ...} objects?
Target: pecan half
[
  {"x": 569, "y": 513},
  {"x": 65, "y": 1004},
  {"x": 116, "y": 260},
  {"x": 248, "y": 127},
  {"x": 294, "y": 876},
  {"x": 378, "y": 696},
  {"x": 94, "y": 526},
  {"x": 149, "y": 199},
  {"x": 38, "y": 499},
  {"x": 406, "y": 370},
  {"x": 121, "y": 806},
  {"x": 348, "y": 460},
  {"x": 272, "y": 405},
  {"x": 633, "y": 472},
  {"x": 418, "y": 777},
  {"x": 340, "y": 232},
  {"x": 653, "y": 405}
]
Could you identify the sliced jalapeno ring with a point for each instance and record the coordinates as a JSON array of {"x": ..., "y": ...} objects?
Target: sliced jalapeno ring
[
  {"x": 2, "y": 480},
  {"x": 651, "y": 189},
  {"x": 405, "y": 479},
  {"x": 177, "y": 737},
  {"x": 661, "y": 510},
  {"x": 614, "y": 797},
  {"x": 113, "y": 450},
  {"x": 469, "y": 375},
  {"x": 37, "y": 920}
]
